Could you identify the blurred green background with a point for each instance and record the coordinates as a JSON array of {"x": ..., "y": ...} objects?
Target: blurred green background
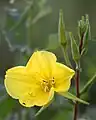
[{"x": 27, "y": 25}]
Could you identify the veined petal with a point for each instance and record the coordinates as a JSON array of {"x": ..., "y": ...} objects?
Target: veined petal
[
  {"x": 27, "y": 100},
  {"x": 62, "y": 75},
  {"x": 18, "y": 81},
  {"x": 62, "y": 86},
  {"x": 42, "y": 62},
  {"x": 42, "y": 98},
  {"x": 51, "y": 95}
]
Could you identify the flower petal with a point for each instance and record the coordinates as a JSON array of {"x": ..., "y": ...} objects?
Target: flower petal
[
  {"x": 62, "y": 75},
  {"x": 18, "y": 81},
  {"x": 27, "y": 100},
  {"x": 51, "y": 95},
  {"x": 42, "y": 62},
  {"x": 42, "y": 98}
]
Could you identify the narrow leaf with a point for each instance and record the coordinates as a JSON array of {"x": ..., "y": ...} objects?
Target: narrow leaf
[
  {"x": 88, "y": 84},
  {"x": 73, "y": 97},
  {"x": 40, "y": 111},
  {"x": 41, "y": 14},
  {"x": 74, "y": 48}
]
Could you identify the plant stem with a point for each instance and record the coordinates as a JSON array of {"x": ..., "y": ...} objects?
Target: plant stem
[
  {"x": 77, "y": 93},
  {"x": 77, "y": 80}
]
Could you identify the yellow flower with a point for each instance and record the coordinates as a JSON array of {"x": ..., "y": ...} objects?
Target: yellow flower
[{"x": 35, "y": 83}]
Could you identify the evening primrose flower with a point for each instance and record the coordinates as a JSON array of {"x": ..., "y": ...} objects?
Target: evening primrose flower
[{"x": 35, "y": 83}]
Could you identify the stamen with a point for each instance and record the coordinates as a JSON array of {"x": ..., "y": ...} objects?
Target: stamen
[{"x": 47, "y": 84}]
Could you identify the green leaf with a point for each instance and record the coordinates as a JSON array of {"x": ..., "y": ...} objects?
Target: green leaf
[
  {"x": 6, "y": 106},
  {"x": 53, "y": 42},
  {"x": 42, "y": 13},
  {"x": 72, "y": 97},
  {"x": 61, "y": 30},
  {"x": 88, "y": 84},
  {"x": 74, "y": 48}
]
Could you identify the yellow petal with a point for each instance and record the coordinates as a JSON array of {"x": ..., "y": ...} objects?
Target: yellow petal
[
  {"x": 27, "y": 100},
  {"x": 51, "y": 95},
  {"x": 42, "y": 62},
  {"x": 18, "y": 81},
  {"x": 42, "y": 98},
  {"x": 62, "y": 75}
]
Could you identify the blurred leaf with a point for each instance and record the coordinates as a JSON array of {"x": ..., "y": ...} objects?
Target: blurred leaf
[
  {"x": 41, "y": 14},
  {"x": 6, "y": 106},
  {"x": 41, "y": 110},
  {"x": 18, "y": 35},
  {"x": 88, "y": 84},
  {"x": 6, "y": 53},
  {"x": 11, "y": 1},
  {"x": 53, "y": 42},
  {"x": 22, "y": 16},
  {"x": 73, "y": 97}
]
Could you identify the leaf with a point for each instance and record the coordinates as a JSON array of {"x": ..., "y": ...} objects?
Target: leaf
[
  {"x": 16, "y": 36},
  {"x": 88, "y": 84},
  {"x": 74, "y": 48},
  {"x": 6, "y": 106},
  {"x": 42, "y": 13},
  {"x": 72, "y": 97},
  {"x": 53, "y": 42}
]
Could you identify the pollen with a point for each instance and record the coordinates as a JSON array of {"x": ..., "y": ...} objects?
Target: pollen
[{"x": 46, "y": 85}]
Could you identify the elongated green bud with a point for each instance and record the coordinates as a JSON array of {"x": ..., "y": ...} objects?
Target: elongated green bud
[
  {"x": 87, "y": 34},
  {"x": 74, "y": 48},
  {"x": 84, "y": 33},
  {"x": 61, "y": 30}
]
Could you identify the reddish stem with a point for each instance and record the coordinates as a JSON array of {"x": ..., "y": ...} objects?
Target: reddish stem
[
  {"x": 77, "y": 80},
  {"x": 77, "y": 93}
]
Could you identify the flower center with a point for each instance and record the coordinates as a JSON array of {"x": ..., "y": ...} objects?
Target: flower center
[{"x": 47, "y": 84}]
